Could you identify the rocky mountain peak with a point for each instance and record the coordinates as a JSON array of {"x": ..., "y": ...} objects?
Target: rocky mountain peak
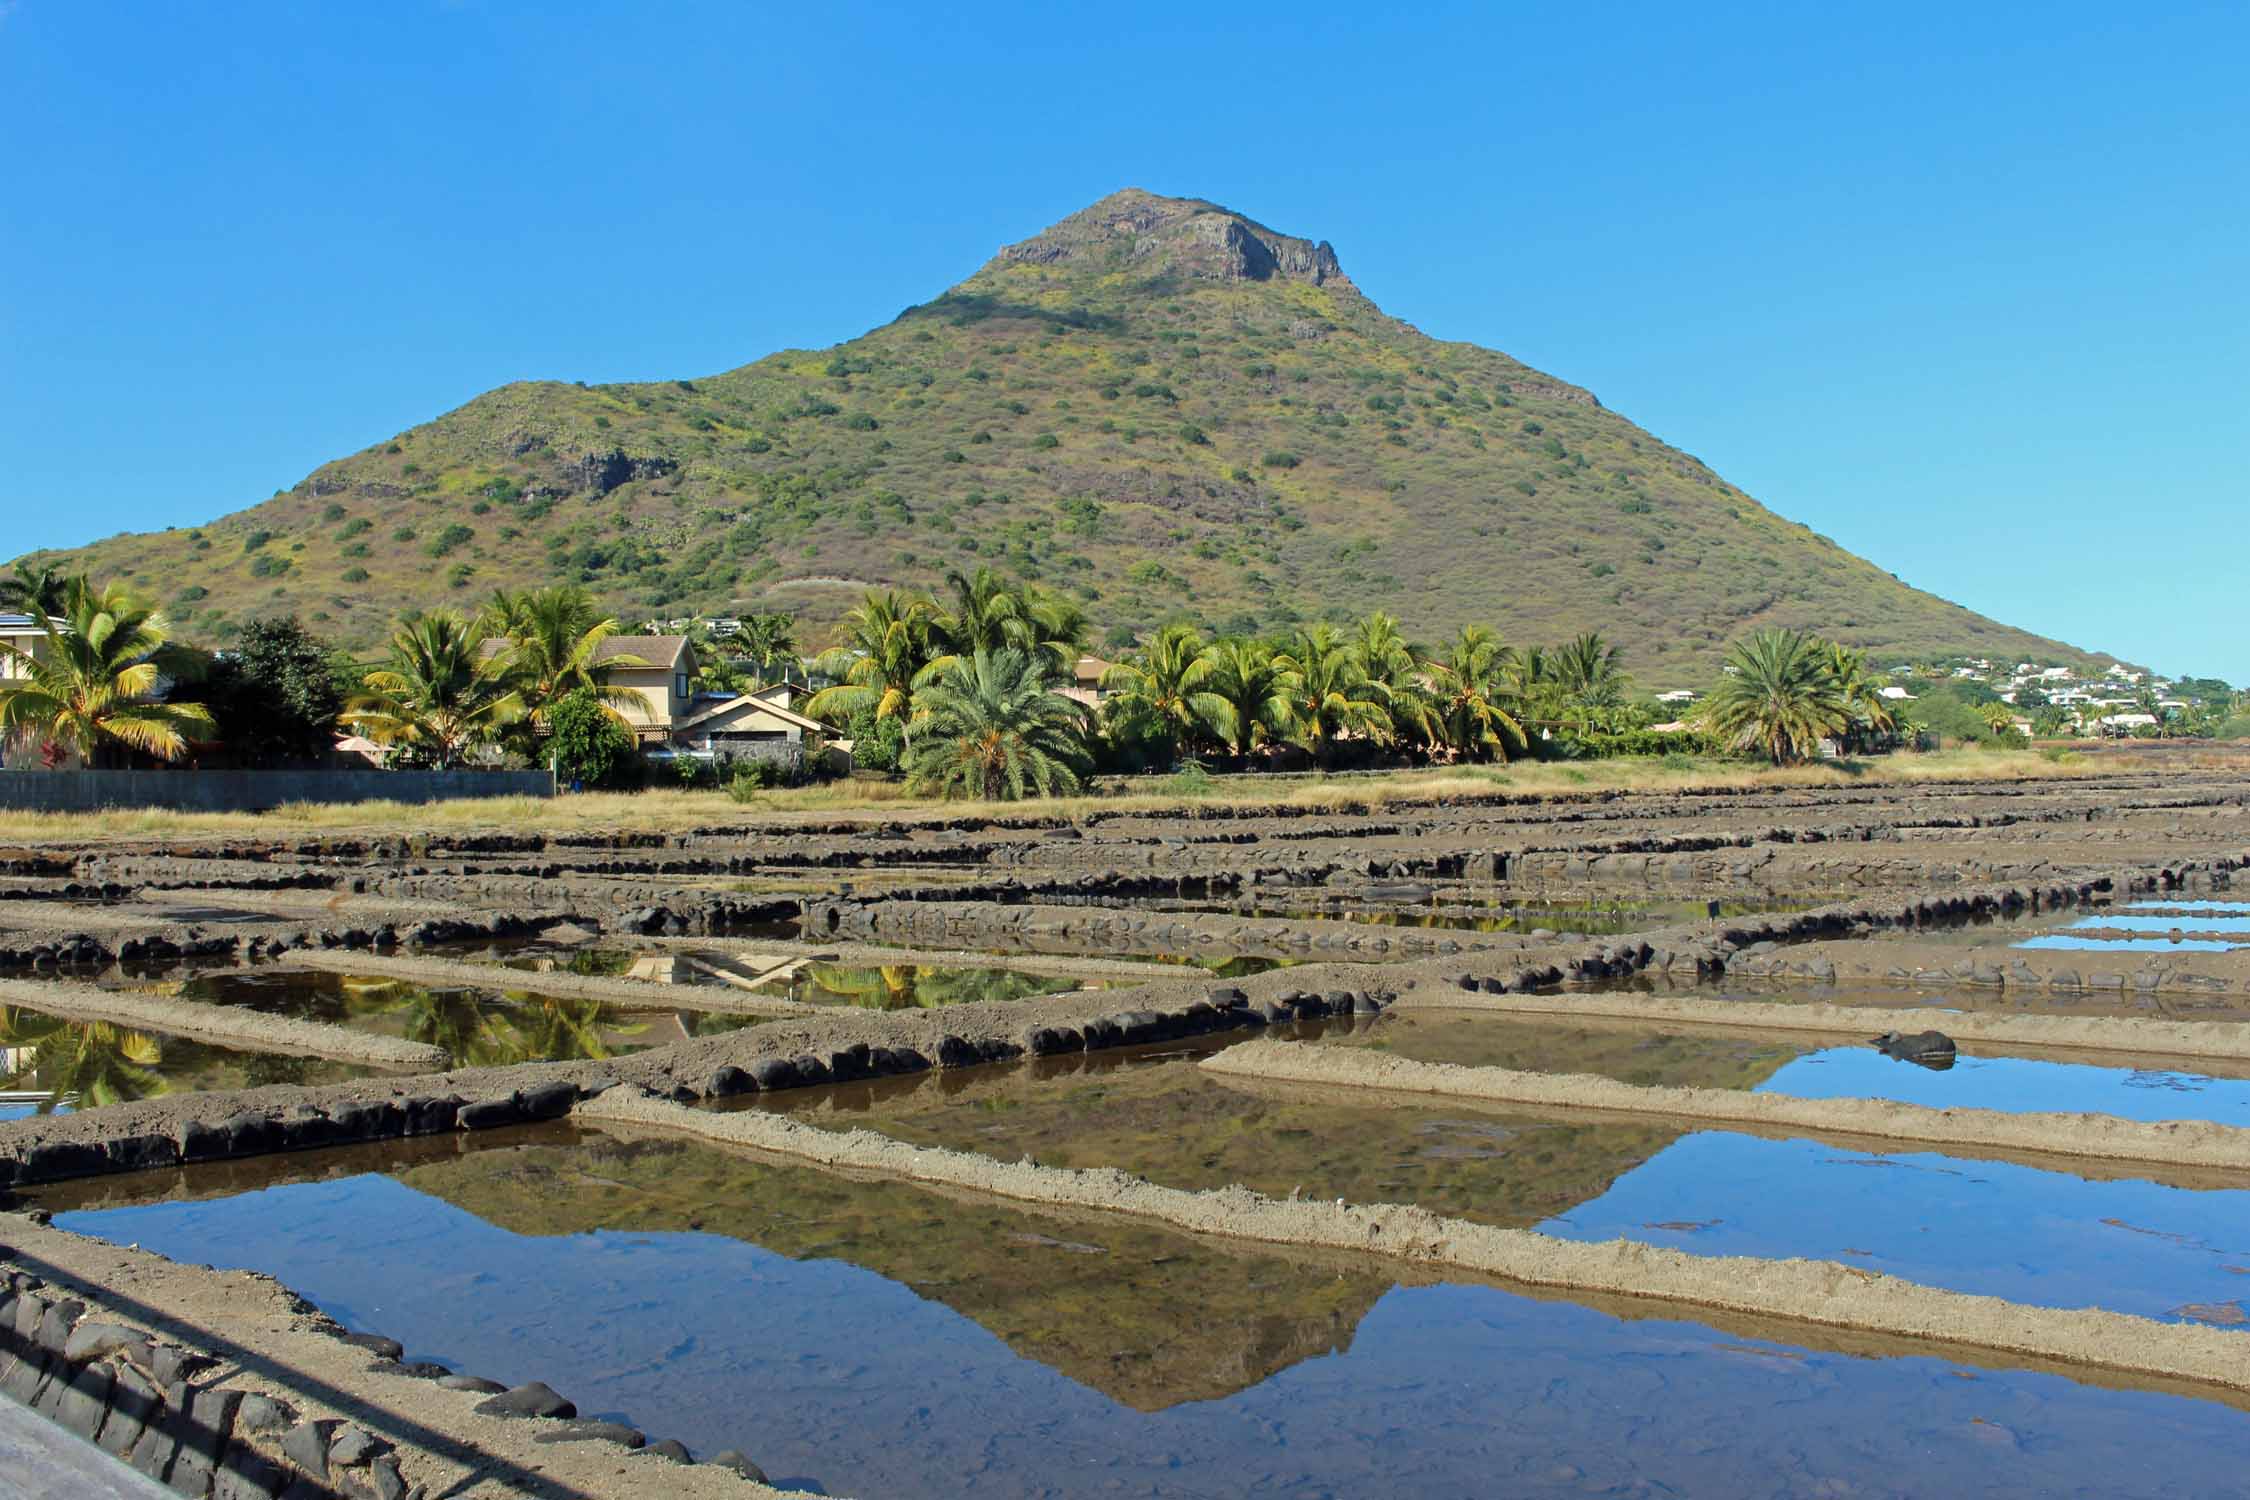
[{"x": 1143, "y": 234}]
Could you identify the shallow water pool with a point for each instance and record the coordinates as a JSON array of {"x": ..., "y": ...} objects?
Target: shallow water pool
[{"x": 875, "y": 1339}]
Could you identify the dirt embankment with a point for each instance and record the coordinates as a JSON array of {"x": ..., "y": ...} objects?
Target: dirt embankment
[
  {"x": 2193, "y": 1143},
  {"x": 1820, "y": 1292},
  {"x": 223, "y": 1025},
  {"x": 2118, "y": 1036},
  {"x": 1905, "y": 961}
]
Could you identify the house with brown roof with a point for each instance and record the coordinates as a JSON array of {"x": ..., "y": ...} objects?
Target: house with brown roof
[{"x": 659, "y": 677}]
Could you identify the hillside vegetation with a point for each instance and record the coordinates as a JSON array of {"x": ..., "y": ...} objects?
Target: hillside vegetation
[{"x": 1156, "y": 406}]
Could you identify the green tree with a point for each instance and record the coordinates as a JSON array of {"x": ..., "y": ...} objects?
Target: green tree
[
  {"x": 92, "y": 684},
  {"x": 1393, "y": 668},
  {"x": 1245, "y": 677},
  {"x": 585, "y": 741},
  {"x": 1469, "y": 686},
  {"x": 1328, "y": 693},
  {"x": 1776, "y": 697},
  {"x": 1167, "y": 688},
  {"x": 37, "y": 592},
  {"x": 886, "y": 643},
  {"x": 1872, "y": 720},
  {"x": 276, "y": 693},
  {"x": 439, "y": 694},
  {"x": 994, "y": 727},
  {"x": 770, "y": 639},
  {"x": 552, "y": 645}
]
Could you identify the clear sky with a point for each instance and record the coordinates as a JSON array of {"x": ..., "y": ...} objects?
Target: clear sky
[{"x": 1962, "y": 286}]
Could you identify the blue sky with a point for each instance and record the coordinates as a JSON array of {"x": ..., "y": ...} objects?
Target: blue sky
[{"x": 1960, "y": 286}]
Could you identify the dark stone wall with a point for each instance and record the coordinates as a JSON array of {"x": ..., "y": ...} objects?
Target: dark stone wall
[{"x": 253, "y": 791}]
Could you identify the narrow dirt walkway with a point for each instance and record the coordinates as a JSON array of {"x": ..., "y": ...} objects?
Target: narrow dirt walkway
[
  {"x": 624, "y": 994},
  {"x": 221, "y": 1025},
  {"x": 2105, "y": 1137}
]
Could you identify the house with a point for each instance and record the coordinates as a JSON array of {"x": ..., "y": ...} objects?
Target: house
[
  {"x": 1677, "y": 695},
  {"x": 658, "y": 675},
  {"x": 1086, "y": 681},
  {"x": 23, "y": 633},
  {"x": 1895, "y": 694}
]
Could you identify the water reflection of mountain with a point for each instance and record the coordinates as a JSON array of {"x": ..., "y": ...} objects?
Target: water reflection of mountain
[
  {"x": 1148, "y": 1318},
  {"x": 1173, "y": 1123},
  {"x": 1645, "y": 1056}
]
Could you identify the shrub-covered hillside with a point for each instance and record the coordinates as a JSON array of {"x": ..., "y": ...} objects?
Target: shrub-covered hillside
[{"x": 1156, "y": 405}]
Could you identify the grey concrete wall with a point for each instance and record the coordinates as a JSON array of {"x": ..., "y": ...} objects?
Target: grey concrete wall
[{"x": 253, "y": 791}]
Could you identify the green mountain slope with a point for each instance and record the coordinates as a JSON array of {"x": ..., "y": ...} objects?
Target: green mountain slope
[{"x": 1157, "y": 405}]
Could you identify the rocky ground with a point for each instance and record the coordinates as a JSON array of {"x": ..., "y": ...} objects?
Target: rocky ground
[{"x": 1485, "y": 903}]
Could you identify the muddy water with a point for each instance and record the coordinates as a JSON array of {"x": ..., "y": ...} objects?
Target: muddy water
[
  {"x": 877, "y": 1339},
  {"x": 1972, "y": 1225},
  {"x": 1980, "y": 1077},
  {"x": 48, "y": 1065}
]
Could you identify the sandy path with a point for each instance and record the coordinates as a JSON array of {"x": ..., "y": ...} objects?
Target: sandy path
[
  {"x": 1821, "y": 1292},
  {"x": 2120, "y": 1035},
  {"x": 2193, "y": 1143},
  {"x": 222, "y": 1025},
  {"x": 624, "y": 994}
]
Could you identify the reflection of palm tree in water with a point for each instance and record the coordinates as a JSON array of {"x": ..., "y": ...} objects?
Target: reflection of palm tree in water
[
  {"x": 81, "y": 1064},
  {"x": 478, "y": 1032},
  {"x": 916, "y": 986}
]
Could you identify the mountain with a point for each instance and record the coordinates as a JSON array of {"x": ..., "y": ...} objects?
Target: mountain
[{"x": 1158, "y": 405}]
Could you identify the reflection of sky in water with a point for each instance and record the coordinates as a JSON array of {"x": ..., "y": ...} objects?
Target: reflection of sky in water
[
  {"x": 1973, "y": 1226},
  {"x": 2215, "y": 908},
  {"x": 2015, "y": 1083},
  {"x": 2200, "y": 922},
  {"x": 826, "y": 1373},
  {"x": 2119, "y": 945}
]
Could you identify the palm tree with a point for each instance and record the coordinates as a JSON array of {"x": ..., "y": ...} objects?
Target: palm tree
[
  {"x": 1245, "y": 679},
  {"x": 1328, "y": 694},
  {"x": 1056, "y": 626},
  {"x": 986, "y": 613},
  {"x": 886, "y": 645},
  {"x": 1467, "y": 686},
  {"x": 1169, "y": 687},
  {"x": 1872, "y": 718},
  {"x": 38, "y": 593},
  {"x": 1590, "y": 672},
  {"x": 1777, "y": 697},
  {"x": 553, "y": 639},
  {"x": 440, "y": 693},
  {"x": 1393, "y": 667},
  {"x": 1998, "y": 717},
  {"x": 769, "y": 638},
  {"x": 95, "y": 682},
  {"x": 996, "y": 728}
]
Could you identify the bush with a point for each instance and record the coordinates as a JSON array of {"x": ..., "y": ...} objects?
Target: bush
[
  {"x": 752, "y": 777},
  {"x": 876, "y": 743},
  {"x": 255, "y": 540},
  {"x": 268, "y": 566},
  {"x": 1046, "y": 440},
  {"x": 448, "y": 540},
  {"x": 355, "y": 575},
  {"x": 585, "y": 743},
  {"x": 1281, "y": 458},
  {"x": 1189, "y": 780}
]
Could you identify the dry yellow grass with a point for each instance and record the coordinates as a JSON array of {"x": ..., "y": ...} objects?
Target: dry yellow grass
[{"x": 670, "y": 810}]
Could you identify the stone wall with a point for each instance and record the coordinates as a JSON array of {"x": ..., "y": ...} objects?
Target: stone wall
[{"x": 253, "y": 791}]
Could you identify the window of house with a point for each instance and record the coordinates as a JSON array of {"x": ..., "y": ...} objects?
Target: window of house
[{"x": 679, "y": 685}]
